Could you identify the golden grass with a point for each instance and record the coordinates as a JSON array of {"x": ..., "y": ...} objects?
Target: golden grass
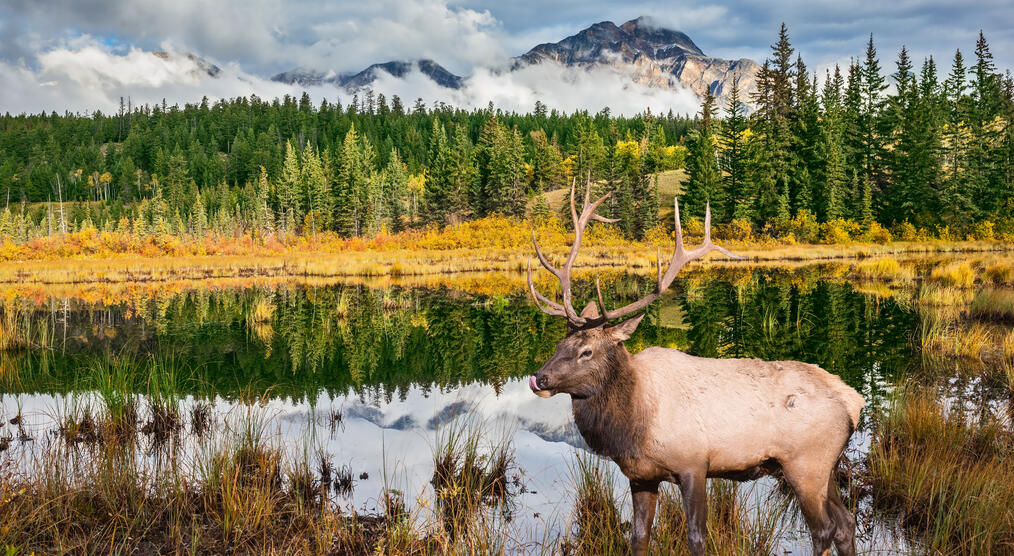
[
  {"x": 994, "y": 304},
  {"x": 956, "y": 274},
  {"x": 883, "y": 268}
]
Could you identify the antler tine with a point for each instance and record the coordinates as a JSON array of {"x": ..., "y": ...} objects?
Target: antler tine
[
  {"x": 679, "y": 226},
  {"x": 679, "y": 259},
  {"x": 542, "y": 258},
  {"x": 573, "y": 209},
  {"x": 544, "y": 304}
]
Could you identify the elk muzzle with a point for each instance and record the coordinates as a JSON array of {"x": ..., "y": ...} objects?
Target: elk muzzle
[{"x": 539, "y": 384}]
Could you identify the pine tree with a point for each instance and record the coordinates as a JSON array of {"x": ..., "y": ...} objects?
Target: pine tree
[
  {"x": 396, "y": 191},
  {"x": 956, "y": 200},
  {"x": 289, "y": 191},
  {"x": 439, "y": 180},
  {"x": 350, "y": 183},
  {"x": 704, "y": 181},
  {"x": 833, "y": 195},
  {"x": 317, "y": 192},
  {"x": 985, "y": 175},
  {"x": 873, "y": 84},
  {"x": 733, "y": 158}
]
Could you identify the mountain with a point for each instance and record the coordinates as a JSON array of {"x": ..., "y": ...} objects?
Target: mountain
[
  {"x": 649, "y": 55},
  {"x": 638, "y": 50},
  {"x": 362, "y": 80}
]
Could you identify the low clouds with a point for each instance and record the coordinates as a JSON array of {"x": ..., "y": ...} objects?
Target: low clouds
[{"x": 91, "y": 77}]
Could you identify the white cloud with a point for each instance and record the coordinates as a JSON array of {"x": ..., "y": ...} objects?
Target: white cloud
[{"x": 92, "y": 77}]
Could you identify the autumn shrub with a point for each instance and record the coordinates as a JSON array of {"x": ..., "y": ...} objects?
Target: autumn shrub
[
  {"x": 983, "y": 230},
  {"x": 838, "y": 231},
  {"x": 876, "y": 233},
  {"x": 693, "y": 227},
  {"x": 905, "y": 231},
  {"x": 739, "y": 229},
  {"x": 804, "y": 226}
]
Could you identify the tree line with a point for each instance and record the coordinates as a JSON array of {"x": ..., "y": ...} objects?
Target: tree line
[
  {"x": 929, "y": 152},
  {"x": 933, "y": 152},
  {"x": 288, "y": 166}
]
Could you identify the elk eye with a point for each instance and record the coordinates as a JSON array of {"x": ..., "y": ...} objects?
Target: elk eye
[{"x": 586, "y": 354}]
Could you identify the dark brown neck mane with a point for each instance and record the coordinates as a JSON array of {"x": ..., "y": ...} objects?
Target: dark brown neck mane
[{"x": 613, "y": 421}]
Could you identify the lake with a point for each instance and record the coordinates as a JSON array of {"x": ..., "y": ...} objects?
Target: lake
[{"x": 374, "y": 379}]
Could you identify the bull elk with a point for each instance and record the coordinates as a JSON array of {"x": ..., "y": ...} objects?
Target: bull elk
[{"x": 663, "y": 415}]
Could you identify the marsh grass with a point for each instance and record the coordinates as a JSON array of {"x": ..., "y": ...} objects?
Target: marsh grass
[
  {"x": 884, "y": 268},
  {"x": 958, "y": 274},
  {"x": 994, "y": 304},
  {"x": 739, "y": 520},
  {"x": 948, "y": 475},
  {"x": 471, "y": 468},
  {"x": 239, "y": 493},
  {"x": 943, "y": 337}
]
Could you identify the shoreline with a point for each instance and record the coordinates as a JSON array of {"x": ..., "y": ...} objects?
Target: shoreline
[{"x": 407, "y": 263}]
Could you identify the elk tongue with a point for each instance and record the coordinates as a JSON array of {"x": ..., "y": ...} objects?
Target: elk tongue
[{"x": 533, "y": 384}]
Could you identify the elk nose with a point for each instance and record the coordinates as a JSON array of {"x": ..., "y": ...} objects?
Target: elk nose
[{"x": 542, "y": 382}]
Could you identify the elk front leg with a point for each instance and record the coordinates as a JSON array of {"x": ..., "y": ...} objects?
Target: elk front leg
[
  {"x": 645, "y": 498},
  {"x": 694, "y": 488}
]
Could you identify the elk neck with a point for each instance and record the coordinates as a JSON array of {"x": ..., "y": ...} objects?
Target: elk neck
[{"x": 614, "y": 419}]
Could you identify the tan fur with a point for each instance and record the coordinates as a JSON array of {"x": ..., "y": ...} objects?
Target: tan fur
[{"x": 738, "y": 413}]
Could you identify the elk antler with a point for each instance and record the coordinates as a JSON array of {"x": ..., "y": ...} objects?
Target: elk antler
[
  {"x": 680, "y": 258},
  {"x": 566, "y": 309}
]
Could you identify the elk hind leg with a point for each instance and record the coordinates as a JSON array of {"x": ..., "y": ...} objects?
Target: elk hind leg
[
  {"x": 845, "y": 530},
  {"x": 812, "y": 493}
]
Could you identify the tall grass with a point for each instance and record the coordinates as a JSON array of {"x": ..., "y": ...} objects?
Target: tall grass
[
  {"x": 738, "y": 522},
  {"x": 957, "y": 274},
  {"x": 994, "y": 304},
  {"x": 947, "y": 475},
  {"x": 884, "y": 268}
]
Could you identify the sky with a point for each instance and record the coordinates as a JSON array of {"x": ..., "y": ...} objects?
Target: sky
[{"x": 82, "y": 55}]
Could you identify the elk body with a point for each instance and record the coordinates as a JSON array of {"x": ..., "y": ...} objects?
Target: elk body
[{"x": 664, "y": 415}]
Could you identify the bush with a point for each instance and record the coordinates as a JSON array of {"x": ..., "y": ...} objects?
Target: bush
[
  {"x": 739, "y": 229},
  {"x": 693, "y": 226},
  {"x": 838, "y": 231},
  {"x": 805, "y": 227},
  {"x": 877, "y": 234},
  {"x": 982, "y": 230}
]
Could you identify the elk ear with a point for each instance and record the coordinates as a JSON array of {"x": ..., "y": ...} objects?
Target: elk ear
[
  {"x": 590, "y": 311},
  {"x": 622, "y": 331}
]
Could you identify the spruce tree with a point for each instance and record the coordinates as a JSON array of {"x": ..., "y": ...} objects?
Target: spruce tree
[
  {"x": 704, "y": 181},
  {"x": 732, "y": 159}
]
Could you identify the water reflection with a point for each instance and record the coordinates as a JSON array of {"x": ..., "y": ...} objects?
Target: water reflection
[
  {"x": 400, "y": 364},
  {"x": 298, "y": 341}
]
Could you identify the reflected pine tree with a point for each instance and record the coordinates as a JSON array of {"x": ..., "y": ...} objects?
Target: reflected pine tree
[{"x": 299, "y": 341}]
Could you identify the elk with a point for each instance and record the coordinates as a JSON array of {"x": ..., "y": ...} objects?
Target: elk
[{"x": 664, "y": 415}]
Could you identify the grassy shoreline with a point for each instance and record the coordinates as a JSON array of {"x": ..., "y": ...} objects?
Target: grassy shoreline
[{"x": 428, "y": 262}]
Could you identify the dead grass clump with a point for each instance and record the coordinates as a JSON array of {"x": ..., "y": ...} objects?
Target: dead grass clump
[
  {"x": 883, "y": 268},
  {"x": 956, "y": 274},
  {"x": 999, "y": 274}
]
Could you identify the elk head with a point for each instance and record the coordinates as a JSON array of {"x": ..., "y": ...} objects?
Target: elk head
[{"x": 590, "y": 350}]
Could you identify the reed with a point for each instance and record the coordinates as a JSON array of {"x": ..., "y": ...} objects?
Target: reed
[{"x": 946, "y": 474}]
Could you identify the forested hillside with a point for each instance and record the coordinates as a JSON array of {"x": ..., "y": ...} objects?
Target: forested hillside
[{"x": 919, "y": 150}]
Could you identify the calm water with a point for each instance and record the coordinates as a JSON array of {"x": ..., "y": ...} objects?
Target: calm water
[{"x": 399, "y": 365}]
